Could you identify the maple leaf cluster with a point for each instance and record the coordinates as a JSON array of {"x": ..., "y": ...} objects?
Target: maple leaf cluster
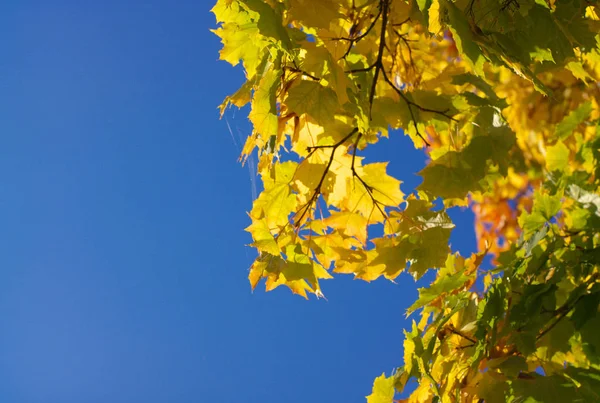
[{"x": 503, "y": 97}]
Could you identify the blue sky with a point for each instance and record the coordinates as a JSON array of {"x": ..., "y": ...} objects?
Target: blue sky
[{"x": 122, "y": 207}]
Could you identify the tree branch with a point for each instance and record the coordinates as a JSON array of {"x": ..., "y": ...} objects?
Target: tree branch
[
  {"x": 562, "y": 312},
  {"x": 566, "y": 308},
  {"x": 317, "y": 190},
  {"x": 379, "y": 62},
  {"x": 379, "y": 68}
]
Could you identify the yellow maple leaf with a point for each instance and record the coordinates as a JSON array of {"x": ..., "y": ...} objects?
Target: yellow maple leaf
[
  {"x": 242, "y": 41},
  {"x": 383, "y": 390},
  {"x": 350, "y": 261},
  {"x": 390, "y": 256},
  {"x": 256, "y": 272},
  {"x": 297, "y": 272},
  {"x": 338, "y": 180},
  {"x": 434, "y": 17},
  {"x": 263, "y": 113},
  {"x": 351, "y": 224},
  {"x": 307, "y": 178},
  {"x": 371, "y": 190},
  {"x": 315, "y": 14},
  {"x": 299, "y": 287},
  {"x": 312, "y": 98},
  {"x": 264, "y": 240},
  {"x": 326, "y": 244},
  {"x": 276, "y": 201},
  {"x": 228, "y": 10}
]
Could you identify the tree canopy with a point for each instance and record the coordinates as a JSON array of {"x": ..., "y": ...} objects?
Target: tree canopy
[{"x": 504, "y": 97}]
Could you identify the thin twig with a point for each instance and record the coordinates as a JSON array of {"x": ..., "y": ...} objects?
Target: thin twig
[
  {"x": 562, "y": 312},
  {"x": 317, "y": 190},
  {"x": 368, "y": 188},
  {"x": 409, "y": 106},
  {"x": 304, "y": 73},
  {"x": 379, "y": 62},
  {"x": 410, "y": 55},
  {"x": 566, "y": 308},
  {"x": 361, "y": 70},
  {"x": 461, "y": 334},
  {"x": 354, "y": 41},
  {"x": 379, "y": 68}
]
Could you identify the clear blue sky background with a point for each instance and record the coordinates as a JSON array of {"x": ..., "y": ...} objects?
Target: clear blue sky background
[{"x": 122, "y": 208}]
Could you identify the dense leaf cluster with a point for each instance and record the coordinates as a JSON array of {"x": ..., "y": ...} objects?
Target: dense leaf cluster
[{"x": 503, "y": 95}]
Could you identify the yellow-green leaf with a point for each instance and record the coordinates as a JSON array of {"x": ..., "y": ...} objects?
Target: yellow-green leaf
[
  {"x": 276, "y": 202},
  {"x": 310, "y": 97},
  {"x": 557, "y": 157},
  {"x": 315, "y": 14},
  {"x": 577, "y": 116},
  {"x": 264, "y": 240},
  {"x": 383, "y": 390},
  {"x": 263, "y": 114}
]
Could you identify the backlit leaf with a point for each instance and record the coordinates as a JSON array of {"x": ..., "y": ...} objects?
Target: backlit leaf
[
  {"x": 572, "y": 120},
  {"x": 312, "y": 98},
  {"x": 263, "y": 113},
  {"x": 383, "y": 390},
  {"x": 557, "y": 158},
  {"x": 277, "y": 201}
]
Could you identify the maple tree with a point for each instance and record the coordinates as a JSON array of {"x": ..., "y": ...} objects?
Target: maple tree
[{"x": 503, "y": 96}]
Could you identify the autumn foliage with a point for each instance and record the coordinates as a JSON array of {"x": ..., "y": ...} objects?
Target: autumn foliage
[{"x": 503, "y": 96}]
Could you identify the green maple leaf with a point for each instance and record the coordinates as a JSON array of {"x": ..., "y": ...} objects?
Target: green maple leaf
[
  {"x": 466, "y": 40},
  {"x": 270, "y": 22},
  {"x": 391, "y": 255},
  {"x": 572, "y": 120},
  {"x": 442, "y": 285},
  {"x": 456, "y": 173},
  {"x": 310, "y": 97}
]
